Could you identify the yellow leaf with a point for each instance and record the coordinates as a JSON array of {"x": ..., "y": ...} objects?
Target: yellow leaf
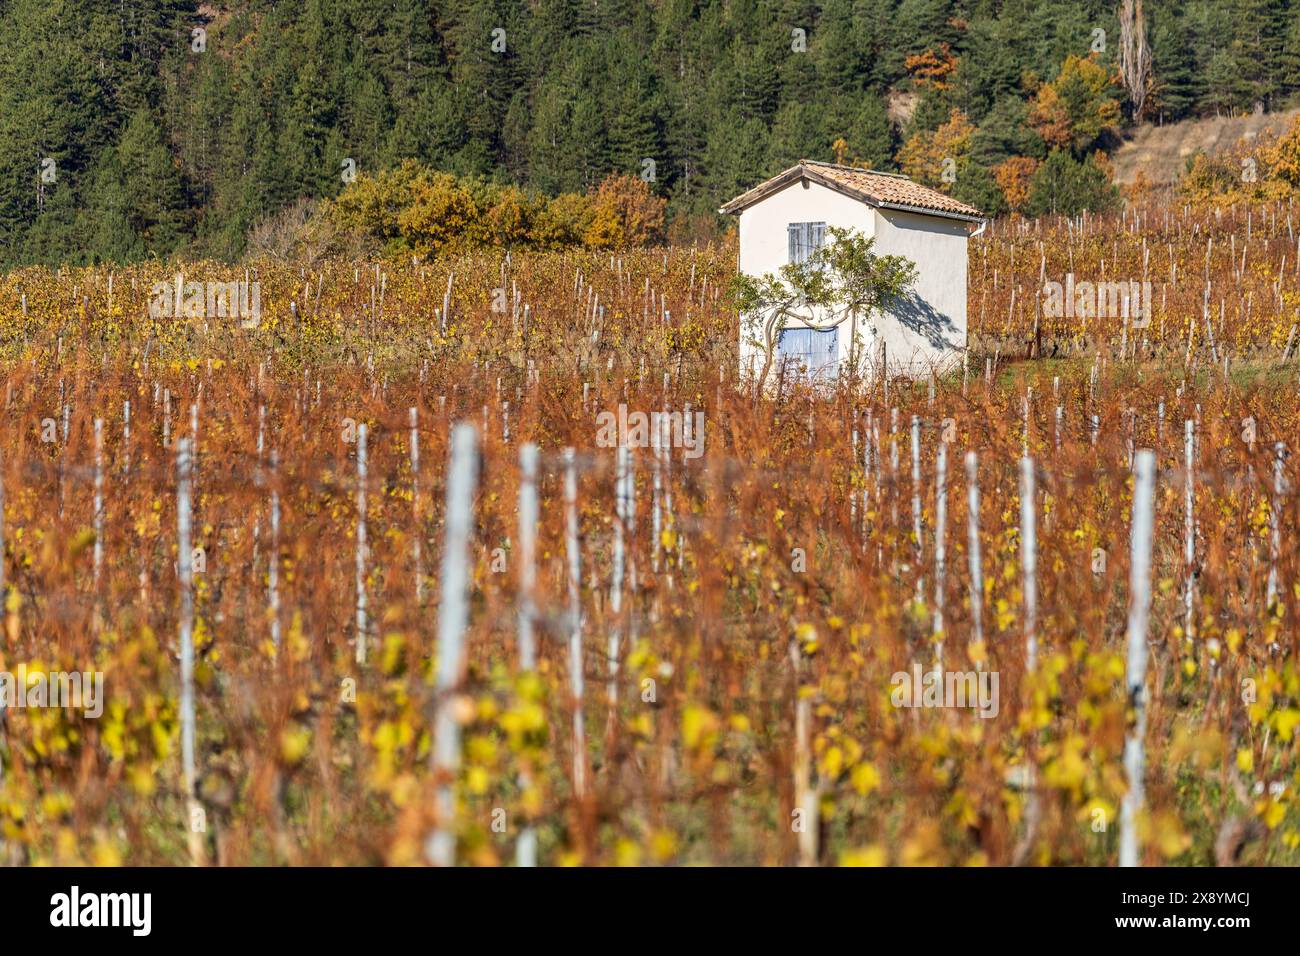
[
  {"x": 1273, "y": 813},
  {"x": 1286, "y": 722},
  {"x": 865, "y": 778},
  {"x": 873, "y": 855},
  {"x": 832, "y": 762}
]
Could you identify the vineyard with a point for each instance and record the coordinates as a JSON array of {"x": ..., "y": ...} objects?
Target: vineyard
[{"x": 367, "y": 586}]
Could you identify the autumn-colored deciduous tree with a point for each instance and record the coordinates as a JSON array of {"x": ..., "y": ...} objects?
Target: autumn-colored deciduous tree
[
  {"x": 1284, "y": 157},
  {"x": 1262, "y": 170},
  {"x": 625, "y": 213},
  {"x": 937, "y": 159},
  {"x": 1074, "y": 109},
  {"x": 931, "y": 69},
  {"x": 566, "y": 220},
  {"x": 1140, "y": 188},
  {"x": 372, "y": 205},
  {"x": 1207, "y": 178},
  {"x": 508, "y": 218},
  {"x": 1014, "y": 176},
  {"x": 441, "y": 214},
  {"x": 416, "y": 210},
  {"x": 1102, "y": 161}
]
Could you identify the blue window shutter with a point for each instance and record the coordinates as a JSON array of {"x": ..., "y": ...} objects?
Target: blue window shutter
[
  {"x": 827, "y": 350},
  {"x": 805, "y": 238},
  {"x": 795, "y": 344},
  {"x": 810, "y": 352},
  {"x": 818, "y": 235}
]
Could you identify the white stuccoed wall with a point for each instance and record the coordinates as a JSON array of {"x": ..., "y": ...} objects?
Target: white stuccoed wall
[
  {"x": 932, "y": 332},
  {"x": 936, "y": 245}
]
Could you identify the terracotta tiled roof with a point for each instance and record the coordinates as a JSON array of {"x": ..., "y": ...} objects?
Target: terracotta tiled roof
[{"x": 886, "y": 190}]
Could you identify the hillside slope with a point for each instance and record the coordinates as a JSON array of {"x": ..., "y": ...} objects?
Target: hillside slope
[{"x": 1161, "y": 152}]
